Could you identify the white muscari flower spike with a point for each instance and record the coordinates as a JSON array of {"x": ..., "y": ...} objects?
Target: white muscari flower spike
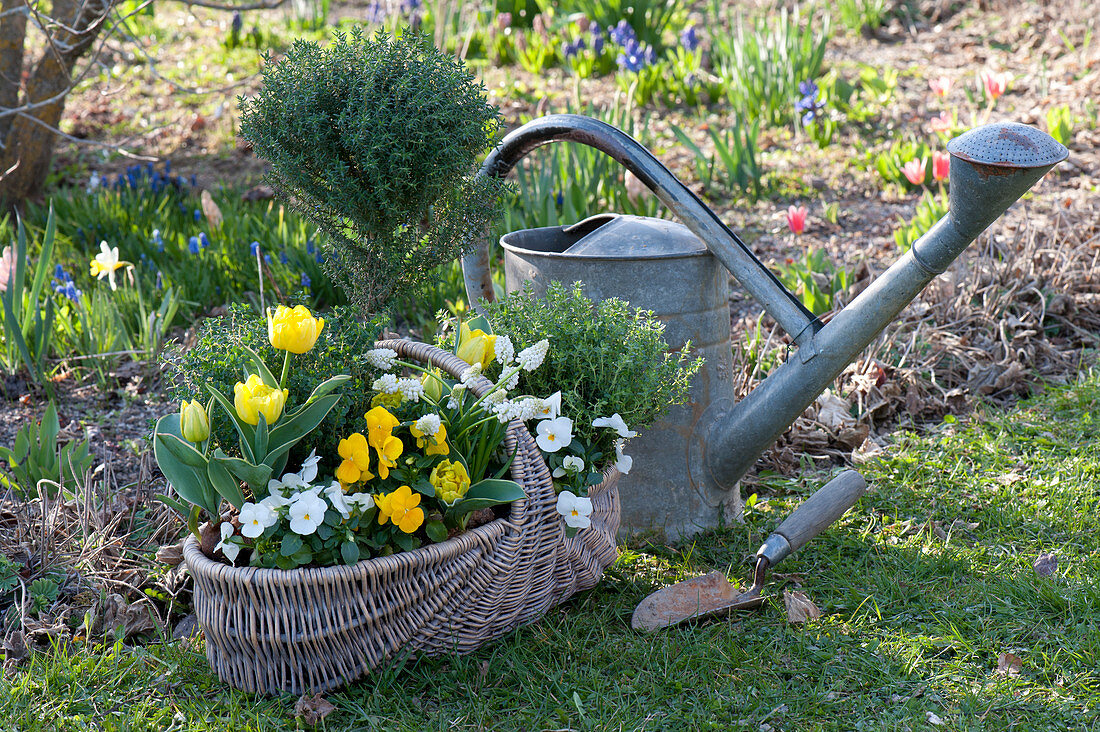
[
  {"x": 255, "y": 517},
  {"x": 504, "y": 411},
  {"x": 229, "y": 548},
  {"x": 576, "y": 509},
  {"x": 527, "y": 408},
  {"x": 457, "y": 392},
  {"x": 530, "y": 358},
  {"x": 469, "y": 376},
  {"x": 381, "y": 358},
  {"x": 429, "y": 424},
  {"x": 623, "y": 462},
  {"x": 503, "y": 349},
  {"x": 386, "y": 383},
  {"x": 616, "y": 423},
  {"x": 496, "y": 396},
  {"x": 513, "y": 381},
  {"x": 411, "y": 389},
  {"x": 554, "y": 434}
]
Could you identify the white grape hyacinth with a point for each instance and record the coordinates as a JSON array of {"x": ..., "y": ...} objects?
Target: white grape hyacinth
[
  {"x": 411, "y": 389},
  {"x": 382, "y": 358},
  {"x": 616, "y": 423},
  {"x": 503, "y": 349},
  {"x": 386, "y": 383},
  {"x": 530, "y": 358},
  {"x": 255, "y": 517},
  {"x": 429, "y": 424},
  {"x": 554, "y": 434},
  {"x": 228, "y": 548},
  {"x": 575, "y": 509}
]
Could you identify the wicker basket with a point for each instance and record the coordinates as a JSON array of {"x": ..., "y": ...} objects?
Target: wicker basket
[{"x": 315, "y": 629}]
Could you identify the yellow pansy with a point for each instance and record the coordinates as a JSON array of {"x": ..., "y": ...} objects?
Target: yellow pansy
[
  {"x": 451, "y": 481},
  {"x": 402, "y": 507},
  {"x": 380, "y": 426},
  {"x": 293, "y": 329},
  {"x": 356, "y": 454},
  {"x": 436, "y": 444},
  {"x": 476, "y": 346},
  {"x": 254, "y": 397}
]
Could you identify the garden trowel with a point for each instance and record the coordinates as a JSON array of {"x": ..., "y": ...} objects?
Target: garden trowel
[{"x": 712, "y": 594}]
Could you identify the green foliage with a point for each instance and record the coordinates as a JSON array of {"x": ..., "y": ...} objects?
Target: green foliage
[
  {"x": 1060, "y": 123},
  {"x": 217, "y": 359},
  {"x": 814, "y": 279},
  {"x": 36, "y": 457},
  {"x": 861, "y": 16},
  {"x": 649, "y": 18},
  {"x": 733, "y": 166},
  {"x": 889, "y": 163},
  {"x": 28, "y": 309},
  {"x": 376, "y": 142},
  {"x": 9, "y": 578},
  {"x": 604, "y": 358},
  {"x": 763, "y": 63},
  {"x": 43, "y": 593},
  {"x": 860, "y": 100},
  {"x": 930, "y": 209}
]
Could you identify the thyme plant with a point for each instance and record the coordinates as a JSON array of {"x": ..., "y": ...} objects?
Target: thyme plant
[{"x": 376, "y": 141}]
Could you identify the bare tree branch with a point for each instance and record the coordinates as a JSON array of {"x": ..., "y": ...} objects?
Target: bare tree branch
[
  {"x": 117, "y": 147},
  {"x": 220, "y": 6}
]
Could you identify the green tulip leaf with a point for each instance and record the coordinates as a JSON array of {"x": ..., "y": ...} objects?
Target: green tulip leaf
[
  {"x": 322, "y": 389},
  {"x": 190, "y": 483},
  {"x": 255, "y": 475},
  {"x": 289, "y": 431},
  {"x": 225, "y": 483},
  {"x": 183, "y": 450},
  {"x": 246, "y": 431},
  {"x": 261, "y": 368},
  {"x": 487, "y": 493}
]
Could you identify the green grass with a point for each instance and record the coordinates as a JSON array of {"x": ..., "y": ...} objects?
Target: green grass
[{"x": 912, "y": 626}]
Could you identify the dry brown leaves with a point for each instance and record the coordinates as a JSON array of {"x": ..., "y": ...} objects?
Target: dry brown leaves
[
  {"x": 1009, "y": 664},
  {"x": 312, "y": 709},
  {"x": 800, "y": 608}
]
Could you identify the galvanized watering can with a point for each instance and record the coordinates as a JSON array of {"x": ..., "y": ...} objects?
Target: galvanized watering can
[{"x": 687, "y": 466}]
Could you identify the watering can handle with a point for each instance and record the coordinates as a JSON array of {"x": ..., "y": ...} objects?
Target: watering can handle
[{"x": 784, "y": 307}]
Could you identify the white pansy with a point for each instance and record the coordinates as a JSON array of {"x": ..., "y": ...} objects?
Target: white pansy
[
  {"x": 335, "y": 495},
  {"x": 616, "y": 423},
  {"x": 503, "y": 349},
  {"x": 530, "y": 358},
  {"x": 551, "y": 406},
  {"x": 623, "y": 463},
  {"x": 554, "y": 434},
  {"x": 306, "y": 513},
  {"x": 386, "y": 383},
  {"x": 381, "y": 358},
  {"x": 362, "y": 501},
  {"x": 576, "y": 509},
  {"x": 309, "y": 467},
  {"x": 229, "y": 548},
  {"x": 411, "y": 389},
  {"x": 469, "y": 376},
  {"x": 255, "y": 517},
  {"x": 429, "y": 424},
  {"x": 275, "y": 502},
  {"x": 570, "y": 465}
]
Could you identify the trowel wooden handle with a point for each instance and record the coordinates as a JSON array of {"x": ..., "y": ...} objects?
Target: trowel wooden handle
[{"x": 815, "y": 514}]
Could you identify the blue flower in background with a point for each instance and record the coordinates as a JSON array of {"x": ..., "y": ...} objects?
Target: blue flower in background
[
  {"x": 59, "y": 272},
  {"x": 183, "y": 207},
  {"x": 376, "y": 12},
  {"x": 309, "y": 246},
  {"x": 320, "y": 259},
  {"x": 689, "y": 39},
  {"x": 810, "y": 104},
  {"x": 194, "y": 180},
  {"x": 254, "y": 248},
  {"x": 635, "y": 58},
  {"x": 267, "y": 259},
  {"x": 158, "y": 240},
  {"x": 283, "y": 258},
  {"x": 622, "y": 34},
  {"x": 305, "y": 281},
  {"x": 807, "y": 88},
  {"x": 160, "y": 281},
  {"x": 237, "y": 22},
  {"x": 204, "y": 240},
  {"x": 63, "y": 284},
  {"x": 572, "y": 48},
  {"x": 193, "y": 245}
]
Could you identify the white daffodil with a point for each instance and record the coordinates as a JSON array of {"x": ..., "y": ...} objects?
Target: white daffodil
[
  {"x": 623, "y": 463},
  {"x": 530, "y": 358},
  {"x": 550, "y": 407},
  {"x": 229, "y": 548},
  {"x": 616, "y": 423},
  {"x": 554, "y": 434},
  {"x": 255, "y": 517},
  {"x": 381, "y": 358},
  {"x": 576, "y": 509},
  {"x": 335, "y": 495},
  {"x": 570, "y": 465},
  {"x": 106, "y": 262},
  {"x": 306, "y": 513},
  {"x": 362, "y": 501},
  {"x": 309, "y": 467}
]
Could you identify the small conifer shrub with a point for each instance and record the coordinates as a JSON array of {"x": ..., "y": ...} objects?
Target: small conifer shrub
[{"x": 376, "y": 140}]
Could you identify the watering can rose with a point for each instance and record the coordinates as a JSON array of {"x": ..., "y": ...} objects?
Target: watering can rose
[
  {"x": 194, "y": 422},
  {"x": 293, "y": 329},
  {"x": 254, "y": 397}
]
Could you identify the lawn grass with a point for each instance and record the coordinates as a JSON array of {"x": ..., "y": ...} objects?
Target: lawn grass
[{"x": 913, "y": 623}]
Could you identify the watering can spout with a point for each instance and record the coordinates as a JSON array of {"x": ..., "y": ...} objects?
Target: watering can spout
[{"x": 991, "y": 167}]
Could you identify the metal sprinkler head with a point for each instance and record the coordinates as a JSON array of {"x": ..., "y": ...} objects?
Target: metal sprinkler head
[{"x": 992, "y": 166}]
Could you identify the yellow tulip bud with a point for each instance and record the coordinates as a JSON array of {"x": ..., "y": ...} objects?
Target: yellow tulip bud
[
  {"x": 433, "y": 385},
  {"x": 254, "y": 397},
  {"x": 293, "y": 329},
  {"x": 194, "y": 422},
  {"x": 476, "y": 346}
]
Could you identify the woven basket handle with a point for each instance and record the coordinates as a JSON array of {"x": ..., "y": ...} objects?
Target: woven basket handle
[{"x": 449, "y": 362}]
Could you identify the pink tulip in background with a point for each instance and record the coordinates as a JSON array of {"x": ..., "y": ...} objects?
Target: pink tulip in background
[
  {"x": 941, "y": 165},
  {"x": 914, "y": 171},
  {"x": 942, "y": 123},
  {"x": 796, "y": 219},
  {"x": 995, "y": 84},
  {"x": 940, "y": 86},
  {"x": 7, "y": 268}
]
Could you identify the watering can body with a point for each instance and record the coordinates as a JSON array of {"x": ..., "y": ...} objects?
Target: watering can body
[
  {"x": 696, "y": 456},
  {"x": 657, "y": 265}
]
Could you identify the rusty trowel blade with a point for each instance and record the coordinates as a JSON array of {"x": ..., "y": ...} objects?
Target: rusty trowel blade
[{"x": 697, "y": 597}]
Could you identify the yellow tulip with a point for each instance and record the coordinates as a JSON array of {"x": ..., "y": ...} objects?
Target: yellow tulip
[
  {"x": 476, "y": 346},
  {"x": 433, "y": 385},
  {"x": 254, "y": 397},
  {"x": 293, "y": 329},
  {"x": 194, "y": 422},
  {"x": 451, "y": 481},
  {"x": 402, "y": 507}
]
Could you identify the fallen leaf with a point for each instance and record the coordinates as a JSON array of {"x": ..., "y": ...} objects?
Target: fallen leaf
[
  {"x": 312, "y": 709},
  {"x": 934, "y": 719},
  {"x": 1045, "y": 564},
  {"x": 834, "y": 412},
  {"x": 210, "y": 209},
  {"x": 1009, "y": 664},
  {"x": 14, "y": 646},
  {"x": 171, "y": 554},
  {"x": 800, "y": 608}
]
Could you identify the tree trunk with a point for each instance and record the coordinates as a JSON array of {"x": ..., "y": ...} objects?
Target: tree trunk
[
  {"x": 13, "y": 30},
  {"x": 29, "y": 144}
]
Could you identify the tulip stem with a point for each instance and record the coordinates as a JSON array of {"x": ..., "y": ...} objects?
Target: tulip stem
[{"x": 286, "y": 370}]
